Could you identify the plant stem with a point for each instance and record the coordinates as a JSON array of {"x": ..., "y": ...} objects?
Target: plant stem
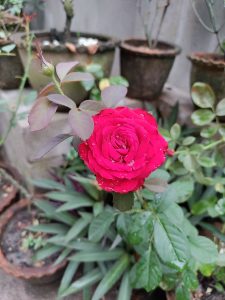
[
  {"x": 21, "y": 88},
  {"x": 161, "y": 23},
  {"x": 57, "y": 84}
]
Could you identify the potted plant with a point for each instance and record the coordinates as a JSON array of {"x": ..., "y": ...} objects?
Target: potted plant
[
  {"x": 18, "y": 245},
  {"x": 209, "y": 67},
  {"x": 146, "y": 64},
  {"x": 129, "y": 228},
  {"x": 69, "y": 46}
]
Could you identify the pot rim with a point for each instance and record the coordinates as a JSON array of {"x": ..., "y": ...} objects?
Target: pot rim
[
  {"x": 108, "y": 43},
  {"x": 11, "y": 196},
  {"x": 172, "y": 50},
  {"x": 17, "y": 271},
  {"x": 206, "y": 59}
]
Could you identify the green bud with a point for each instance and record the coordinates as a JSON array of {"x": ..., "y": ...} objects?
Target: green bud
[{"x": 48, "y": 69}]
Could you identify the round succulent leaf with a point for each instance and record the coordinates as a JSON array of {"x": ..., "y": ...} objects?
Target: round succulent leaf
[
  {"x": 209, "y": 132},
  {"x": 189, "y": 140},
  {"x": 203, "y": 95},
  {"x": 202, "y": 117},
  {"x": 220, "y": 108},
  {"x": 175, "y": 131}
]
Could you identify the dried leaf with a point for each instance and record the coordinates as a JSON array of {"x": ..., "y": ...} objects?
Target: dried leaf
[
  {"x": 41, "y": 114},
  {"x": 112, "y": 95},
  {"x": 71, "y": 47},
  {"x": 62, "y": 69},
  {"x": 81, "y": 123},
  {"x": 61, "y": 100},
  {"x": 51, "y": 144},
  {"x": 92, "y": 107}
]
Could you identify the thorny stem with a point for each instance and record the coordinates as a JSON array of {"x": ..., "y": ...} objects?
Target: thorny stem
[{"x": 29, "y": 39}]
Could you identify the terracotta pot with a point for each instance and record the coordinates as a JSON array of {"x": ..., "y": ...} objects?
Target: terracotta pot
[
  {"x": 55, "y": 54},
  {"x": 38, "y": 275},
  {"x": 209, "y": 68},
  {"x": 11, "y": 70},
  {"x": 146, "y": 69},
  {"x": 11, "y": 194}
]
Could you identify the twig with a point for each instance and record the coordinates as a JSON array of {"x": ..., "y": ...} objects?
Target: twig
[
  {"x": 161, "y": 23},
  {"x": 21, "y": 88}
]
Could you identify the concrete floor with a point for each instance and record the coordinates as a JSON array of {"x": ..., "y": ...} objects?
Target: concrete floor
[{"x": 15, "y": 289}]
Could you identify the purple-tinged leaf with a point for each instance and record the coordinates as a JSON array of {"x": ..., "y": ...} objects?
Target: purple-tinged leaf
[
  {"x": 92, "y": 107},
  {"x": 78, "y": 76},
  {"x": 76, "y": 142},
  {"x": 81, "y": 123},
  {"x": 41, "y": 114},
  {"x": 112, "y": 95},
  {"x": 156, "y": 185},
  {"x": 61, "y": 100},
  {"x": 51, "y": 144},
  {"x": 62, "y": 69},
  {"x": 49, "y": 88}
]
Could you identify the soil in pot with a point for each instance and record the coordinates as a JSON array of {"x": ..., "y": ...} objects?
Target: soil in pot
[
  {"x": 209, "y": 68},
  {"x": 84, "y": 48},
  {"x": 18, "y": 246},
  {"x": 146, "y": 69},
  {"x": 11, "y": 70}
]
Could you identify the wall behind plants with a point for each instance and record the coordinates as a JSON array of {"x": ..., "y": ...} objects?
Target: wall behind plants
[{"x": 121, "y": 19}]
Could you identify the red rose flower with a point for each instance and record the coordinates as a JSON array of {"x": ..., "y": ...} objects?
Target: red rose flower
[{"x": 124, "y": 148}]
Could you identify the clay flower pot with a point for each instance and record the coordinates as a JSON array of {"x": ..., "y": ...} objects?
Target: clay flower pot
[
  {"x": 56, "y": 51},
  {"x": 209, "y": 68},
  {"x": 7, "y": 190},
  {"x": 34, "y": 274},
  {"x": 146, "y": 69}
]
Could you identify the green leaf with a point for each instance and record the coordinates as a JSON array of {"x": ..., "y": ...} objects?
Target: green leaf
[
  {"x": 68, "y": 275},
  {"x": 63, "y": 255},
  {"x": 180, "y": 190},
  {"x": 190, "y": 163},
  {"x": 188, "y": 140},
  {"x": 161, "y": 174},
  {"x": 200, "y": 207},
  {"x": 125, "y": 290},
  {"x": 190, "y": 279},
  {"x": 182, "y": 293},
  {"x": 209, "y": 132},
  {"x": 94, "y": 256},
  {"x": 147, "y": 273},
  {"x": 206, "y": 162},
  {"x": 50, "y": 212},
  {"x": 88, "y": 280},
  {"x": 170, "y": 242},
  {"x": 46, "y": 251},
  {"x": 135, "y": 229},
  {"x": 53, "y": 228},
  {"x": 203, "y": 250},
  {"x": 220, "y": 108},
  {"x": 65, "y": 196},
  {"x": 174, "y": 214},
  {"x": 9, "y": 48},
  {"x": 203, "y": 95},
  {"x": 111, "y": 277},
  {"x": 175, "y": 131},
  {"x": 100, "y": 225},
  {"x": 118, "y": 80},
  {"x": 77, "y": 228},
  {"x": 75, "y": 204},
  {"x": 202, "y": 117},
  {"x": 48, "y": 184}
]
